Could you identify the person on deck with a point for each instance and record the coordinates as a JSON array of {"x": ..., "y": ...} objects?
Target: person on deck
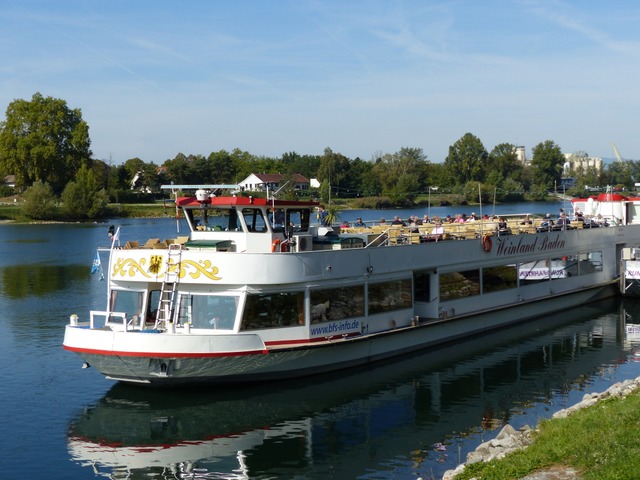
[
  {"x": 398, "y": 221},
  {"x": 563, "y": 222},
  {"x": 323, "y": 216}
]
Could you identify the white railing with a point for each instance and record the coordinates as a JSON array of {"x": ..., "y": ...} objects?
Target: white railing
[{"x": 108, "y": 319}]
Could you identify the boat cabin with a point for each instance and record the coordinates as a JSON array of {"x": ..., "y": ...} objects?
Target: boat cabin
[{"x": 246, "y": 224}]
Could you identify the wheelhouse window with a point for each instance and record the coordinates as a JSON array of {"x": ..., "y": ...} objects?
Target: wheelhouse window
[
  {"x": 299, "y": 218},
  {"x": 337, "y": 303},
  {"x": 254, "y": 220},
  {"x": 216, "y": 312},
  {"x": 276, "y": 217},
  {"x": 273, "y": 310},
  {"x": 388, "y": 296},
  {"x": 212, "y": 219}
]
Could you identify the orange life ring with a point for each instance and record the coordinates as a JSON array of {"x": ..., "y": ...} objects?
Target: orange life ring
[
  {"x": 487, "y": 244},
  {"x": 275, "y": 245}
]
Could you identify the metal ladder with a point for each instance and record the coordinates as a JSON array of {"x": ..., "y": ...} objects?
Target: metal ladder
[{"x": 166, "y": 303}]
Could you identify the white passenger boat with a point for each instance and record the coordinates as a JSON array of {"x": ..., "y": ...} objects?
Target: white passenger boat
[{"x": 259, "y": 291}]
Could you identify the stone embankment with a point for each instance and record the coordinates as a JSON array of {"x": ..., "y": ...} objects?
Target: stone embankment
[{"x": 510, "y": 440}]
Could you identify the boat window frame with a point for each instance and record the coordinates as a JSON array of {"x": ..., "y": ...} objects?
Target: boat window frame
[
  {"x": 375, "y": 307},
  {"x": 254, "y": 214},
  {"x": 320, "y": 301},
  {"x": 181, "y": 319},
  {"x": 113, "y": 298},
  {"x": 298, "y": 319}
]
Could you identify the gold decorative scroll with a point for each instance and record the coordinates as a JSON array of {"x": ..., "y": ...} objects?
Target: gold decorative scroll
[{"x": 128, "y": 267}]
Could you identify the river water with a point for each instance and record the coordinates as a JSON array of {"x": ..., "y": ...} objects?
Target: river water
[{"x": 414, "y": 417}]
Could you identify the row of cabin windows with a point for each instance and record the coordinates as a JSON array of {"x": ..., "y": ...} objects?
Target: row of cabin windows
[
  {"x": 286, "y": 309},
  {"x": 472, "y": 282},
  {"x": 274, "y": 310},
  {"x": 218, "y": 219}
]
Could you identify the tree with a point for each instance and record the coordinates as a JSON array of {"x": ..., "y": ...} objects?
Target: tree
[
  {"x": 400, "y": 173},
  {"x": 179, "y": 170},
  {"x": 621, "y": 173},
  {"x": 334, "y": 168},
  {"x": 39, "y": 201},
  {"x": 306, "y": 165},
  {"x": 83, "y": 197},
  {"x": 222, "y": 167},
  {"x": 503, "y": 159},
  {"x": 511, "y": 191},
  {"x": 467, "y": 159},
  {"x": 547, "y": 164},
  {"x": 43, "y": 140}
]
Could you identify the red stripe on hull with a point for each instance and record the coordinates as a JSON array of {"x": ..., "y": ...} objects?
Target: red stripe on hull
[{"x": 163, "y": 354}]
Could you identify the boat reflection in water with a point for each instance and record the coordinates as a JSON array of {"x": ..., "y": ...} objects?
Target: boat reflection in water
[{"x": 417, "y": 416}]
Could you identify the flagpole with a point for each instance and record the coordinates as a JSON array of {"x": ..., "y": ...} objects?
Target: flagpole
[{"x": 114, "y": 239}]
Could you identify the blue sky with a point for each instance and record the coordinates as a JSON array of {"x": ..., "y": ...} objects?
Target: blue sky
[{"x": 158, "y": 78}]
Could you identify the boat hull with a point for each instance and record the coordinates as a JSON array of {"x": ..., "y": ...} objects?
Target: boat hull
[{"x": 174, "y": 367}]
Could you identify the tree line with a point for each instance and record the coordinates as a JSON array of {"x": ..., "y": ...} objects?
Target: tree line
[{"x": 46, "y": 145}]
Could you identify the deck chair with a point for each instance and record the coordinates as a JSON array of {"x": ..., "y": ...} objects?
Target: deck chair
[{"x": 151, "y": 243}]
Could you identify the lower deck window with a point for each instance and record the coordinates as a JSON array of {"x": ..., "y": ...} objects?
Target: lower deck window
[
  {"x": 388, "y": 296},
  {"x": 502, "y": 277},
  {"x": 331, "y": 304},
  {"x": 273, "y": 310},
  {"x": 459, "y": 284},
  {"x": 127, "y": 301},
  {"x": 208, "y": 311},
  {"x": 590, "y": 262}
]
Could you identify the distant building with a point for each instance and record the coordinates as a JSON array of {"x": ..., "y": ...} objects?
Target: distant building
[
  {"x": 580, "y": 161},
  {"x": 520, "y": 155},
  {"x": 9, "y": 181},
  {"x": 261, "y": 182}
]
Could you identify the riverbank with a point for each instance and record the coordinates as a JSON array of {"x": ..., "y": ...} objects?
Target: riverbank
[
  {"x": 594, "y": 439},
  {"x": 11, "y": 207}
]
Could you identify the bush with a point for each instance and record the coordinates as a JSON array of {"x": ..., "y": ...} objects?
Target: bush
[
  {"x": 6, "y": 191},
  {"x": 40, "y": 202},
  {"x": 82, "y": 199}
]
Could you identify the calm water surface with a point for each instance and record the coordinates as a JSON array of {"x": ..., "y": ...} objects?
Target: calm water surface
[{"x": 417, "y": 416}]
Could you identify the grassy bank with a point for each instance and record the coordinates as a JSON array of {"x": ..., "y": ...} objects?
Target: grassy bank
[
  {"x": 13, "y": 212},
  {"x": 601, "y": 442}
]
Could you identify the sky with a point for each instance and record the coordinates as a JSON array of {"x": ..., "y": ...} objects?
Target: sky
[{"x": 154, "y": 78}]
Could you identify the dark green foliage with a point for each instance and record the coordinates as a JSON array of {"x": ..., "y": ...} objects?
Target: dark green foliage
[
  {"x": 43, "y": 140},
  {"x": 82, "y": 198},
  {"x": 547, "y": 164},
  {"x": 39, "y": 202},
  {"x": 467, "y": 159}
]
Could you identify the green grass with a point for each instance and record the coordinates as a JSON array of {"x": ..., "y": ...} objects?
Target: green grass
[
  {"x": 139, "y": 210},
  {"x": 602, "y": 442},
  {"x": 11, "y": 212}
]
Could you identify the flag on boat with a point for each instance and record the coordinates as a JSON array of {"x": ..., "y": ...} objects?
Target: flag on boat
[{"x": 97, "y": 265}]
